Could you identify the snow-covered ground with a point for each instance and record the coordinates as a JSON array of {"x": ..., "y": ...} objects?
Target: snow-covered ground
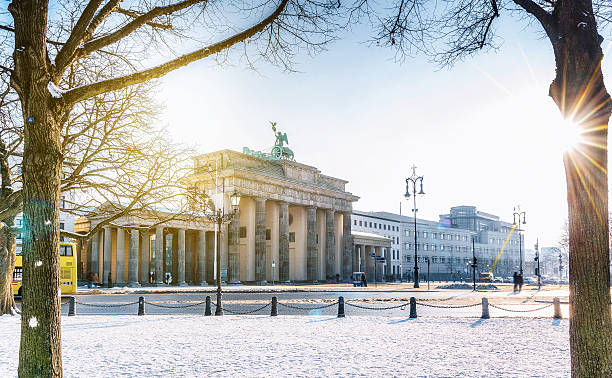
[{"x": 173, "y": 346}]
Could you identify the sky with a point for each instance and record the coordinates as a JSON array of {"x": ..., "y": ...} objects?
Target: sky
[{"x": 481, "y": 133}]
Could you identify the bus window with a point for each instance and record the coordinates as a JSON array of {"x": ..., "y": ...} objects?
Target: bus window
[
  {"x": 18, "y": 249},
  {"x": 65, "y": 250}
]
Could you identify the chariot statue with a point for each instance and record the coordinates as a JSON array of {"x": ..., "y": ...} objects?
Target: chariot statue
[{"x": 279, "y": 151}]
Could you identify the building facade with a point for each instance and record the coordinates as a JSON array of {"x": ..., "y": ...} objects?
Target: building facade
[
  {"x": 292, "y": 224},
  {"x": 446, "y": 245}
]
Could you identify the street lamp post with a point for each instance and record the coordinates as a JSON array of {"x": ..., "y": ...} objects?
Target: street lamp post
[
  {"x": 537, "y": 259},
  {"x": 427, "y": 273},
  {"x": 519, "y": 214},
  {"x": 474, "y": 263},
  {"x": 216, "y": 213},
  {"x": 414, "y": 179}
]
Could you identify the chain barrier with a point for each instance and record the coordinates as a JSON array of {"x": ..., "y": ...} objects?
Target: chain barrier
[
  {"x": 245, "y": 312},
  {"x": 177, "y": 306},
  {"x": 531, "y": 310},
  {"x": 308, "y": 308},
  {"x": 453, "y": 306},
  {"x": 376, "y": 308},
  {"x": 106, "y": 305}
]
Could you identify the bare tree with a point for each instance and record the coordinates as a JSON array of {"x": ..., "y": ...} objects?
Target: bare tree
[
  {"x": 41, "y": 60},
  {"x": 453, "y": 29}
]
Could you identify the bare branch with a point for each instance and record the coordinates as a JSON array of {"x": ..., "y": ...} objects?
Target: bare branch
[{"x": 81, "y": 93}]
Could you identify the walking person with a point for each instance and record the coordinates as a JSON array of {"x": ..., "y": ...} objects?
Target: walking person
[
  {"x": 520, "y": 282},
  {"x": 364, "y": 281},
  {"x": 515, "y": 280}
]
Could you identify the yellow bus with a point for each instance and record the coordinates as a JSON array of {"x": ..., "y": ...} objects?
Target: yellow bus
[{"x": 68, "y": 269}]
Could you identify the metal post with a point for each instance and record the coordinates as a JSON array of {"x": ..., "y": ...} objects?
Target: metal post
[
  {"x": 71, "y": 306},
  {"x": 341, "y": 307},
  {"x": 207, "y": 310},
  {"x": 428, "y": 274},
  {"x": 485, "y": 309},
  {"x": 413, "y": 310},
  {"x": 141, "y": 306},
  {"x": 416, "y": 265},
  {"x": 557, "y": 307},
  {"x": 274, "y": 311},
  {"x": 219, "y": 309},
  {"x": 474, "y": 264}
]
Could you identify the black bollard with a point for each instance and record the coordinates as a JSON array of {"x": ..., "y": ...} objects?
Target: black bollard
[
  {"x": 274, "y": 310},
  {"x": 71, "y": 306},
  {"x": 557, "y": 307},
  {"x": 110, "y": 280},
  {"x": 341, "y": 307},
  {"x": 485, "y": 309},
  {"x": 141, "y": 306},
  {"x": 208, "y": 311},
  {"x": 413, "y": 312}
]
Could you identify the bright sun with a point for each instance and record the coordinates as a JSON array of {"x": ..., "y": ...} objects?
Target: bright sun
[{"x": 569, "y": 135}]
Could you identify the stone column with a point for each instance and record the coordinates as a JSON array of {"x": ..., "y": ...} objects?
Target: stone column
[
  {"x": 145, "y": 258},
  {"x": 108, "y": 254},
  {"x": 188, "y": 258},
  {"x": 260, "y": 239},
  {"x": 362, "y": 258},
  {"x": 133, "y": 260},
  {"x": 94, "y": 257},
  {"x": 181, "y": 258},
  {"x": 312, "y": 260},
  {"x": 347, "y": 250},
  {"x": 369, "y": 263},
  {"x": 330, "y": 245},
  {"x": 388, "y": 263},
  {"x": 379, "y": 266},
  {"x": 283, "y": 242},
  {"x": 159, "y": 255},
  {"x": 120, "y": 263},
  {"x": 233, "y": 230},
  {"x": 355, "y": 258},
  {"x": 201, "y": 258}
]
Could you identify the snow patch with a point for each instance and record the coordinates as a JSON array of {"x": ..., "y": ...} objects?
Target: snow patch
[
  {"x": 55, "y": 91},
  {"x": 33, "y": 322},
  {"x": 38, "y": 263}
]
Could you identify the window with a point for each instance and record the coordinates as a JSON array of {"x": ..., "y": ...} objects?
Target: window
[
  {"x": 269, "y": 234},
  {"x": 243, "y": 232},
  {"x": 292, "y": 237},
  {"x": 464, "y": 238},
  {"x": 425, "y": 247},
  {"x": 65, "y": 250},
  {"x": 434, "y": 235},
  {"x": 441, "y": 247},
  {"x": 370, "y": 224},
  {"x": 425, "y": 234},
  {"x": 61, "y": 225},
  {"x": 360, "y": 224},
  {"x": 442, "y": 260},
  {"x": 355, "y": 222},
  {"x": 434, "y": 259},
  {"x": 434, "y": 247},
  {"x": 456, "y": 237}
]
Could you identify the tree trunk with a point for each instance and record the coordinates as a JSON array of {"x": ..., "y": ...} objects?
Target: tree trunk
[
  {"x": 580, "y": 94},
  {"x": 40, "y": 349},
  {"x": 7, "y": 265}
]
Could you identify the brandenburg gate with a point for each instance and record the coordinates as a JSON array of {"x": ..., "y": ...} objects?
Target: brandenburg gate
[{"x": 293, "y": 224}]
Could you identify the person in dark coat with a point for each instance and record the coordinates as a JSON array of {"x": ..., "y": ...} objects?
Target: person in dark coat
[
  {"x": 520, "y": 282},
  {"x": 364, "y": 281},
  {"x": 515, "y": 280}
]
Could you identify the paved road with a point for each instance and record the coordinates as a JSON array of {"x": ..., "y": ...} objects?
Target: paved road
[{"x": 308, "y": 303}]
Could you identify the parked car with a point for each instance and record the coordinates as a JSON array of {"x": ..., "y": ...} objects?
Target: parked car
[{"x": 498, "y": 279}]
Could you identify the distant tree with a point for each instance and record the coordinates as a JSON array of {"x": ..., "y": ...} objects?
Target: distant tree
[{"x": 453, "y": 29}]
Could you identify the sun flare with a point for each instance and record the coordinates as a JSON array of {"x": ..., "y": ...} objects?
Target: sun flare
[{"x": 569, "y": 135}]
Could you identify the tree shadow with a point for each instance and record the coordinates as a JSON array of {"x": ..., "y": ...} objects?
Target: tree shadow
[{"x": 321, "y": 320}]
